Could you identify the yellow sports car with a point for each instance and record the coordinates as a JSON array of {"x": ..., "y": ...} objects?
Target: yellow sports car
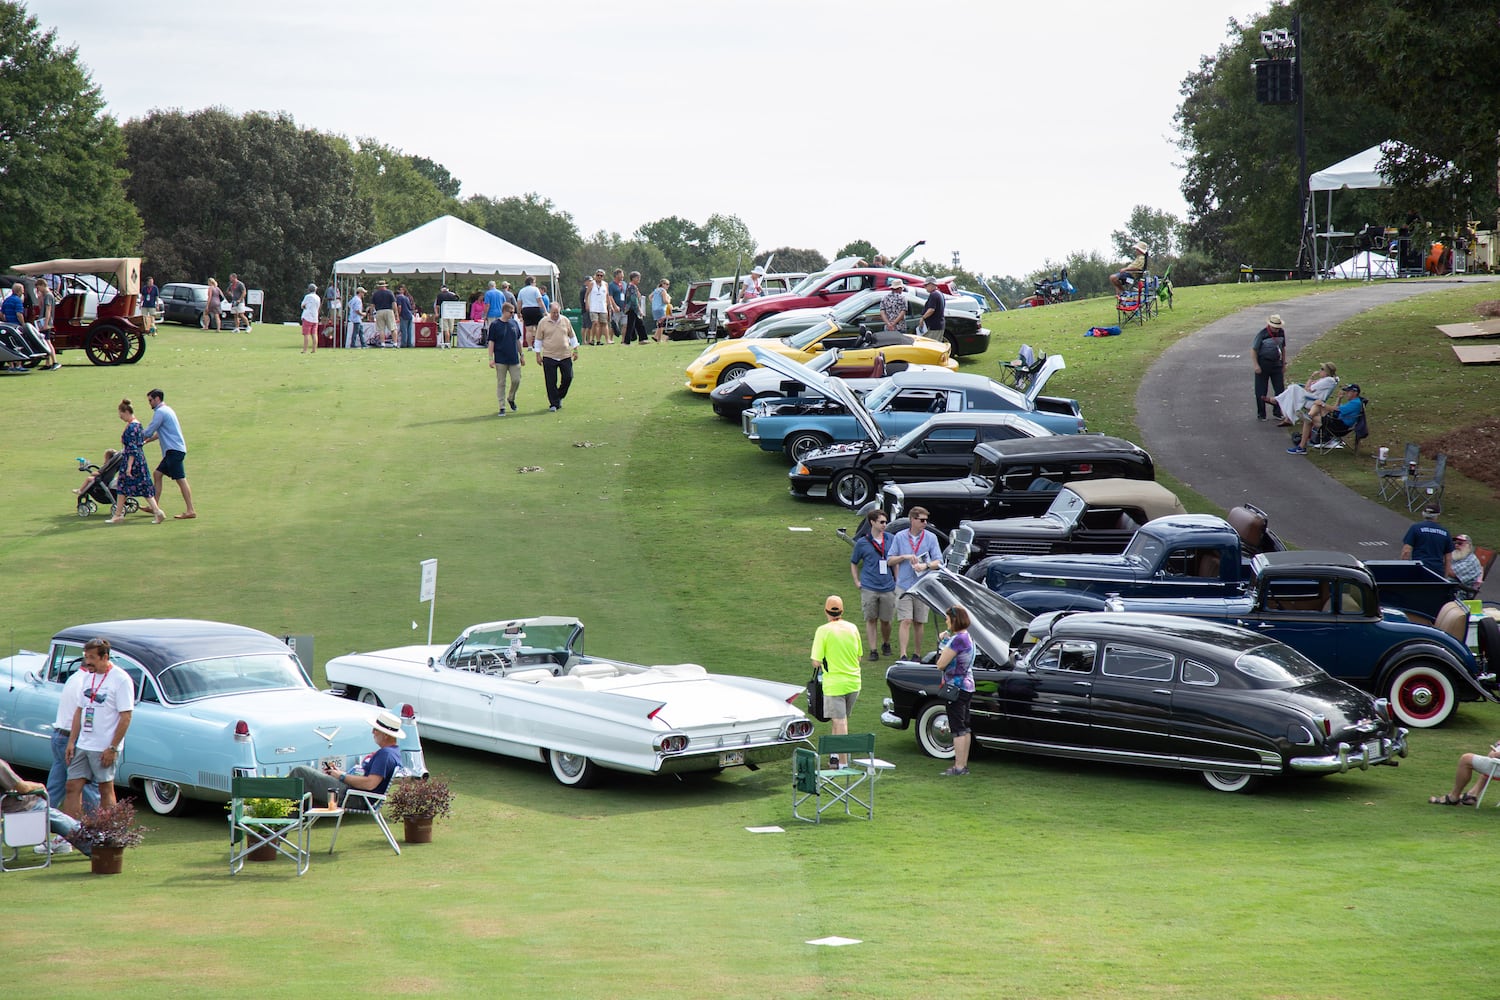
[{"x": 728, "y": 360}]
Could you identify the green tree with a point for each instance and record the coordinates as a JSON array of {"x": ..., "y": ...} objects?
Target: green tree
[
  {"x": 401, "y": 196},
  {"x": 61, "y": 181},
  {"x": 1240, "y": 181},
  {"x": 253, "y": 194},
  {"x": 856, "y": 248},
  {"x": 1162, "y": 232},
  {"x": 793, "y": 259},
  {"x": 438, "y": 174},
  {"x": 1423, "y": 64},
  {"x": 529, "y": 221}
]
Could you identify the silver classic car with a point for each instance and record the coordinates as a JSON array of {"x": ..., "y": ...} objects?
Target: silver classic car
[{"x": 525, "y": 688}]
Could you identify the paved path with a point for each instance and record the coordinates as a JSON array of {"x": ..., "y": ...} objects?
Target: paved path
[{"x": 1196, "y": 411}]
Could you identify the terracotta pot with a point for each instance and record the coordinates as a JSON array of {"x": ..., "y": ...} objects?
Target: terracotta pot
[
  {"x": 265, "y": 852},
  {"x": 419, "y": 830},
  {"x": 107, "y": 860}
]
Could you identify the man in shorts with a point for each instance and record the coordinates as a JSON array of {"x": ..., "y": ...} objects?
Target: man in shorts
[
  {"x": 914, "y": 552},
  {"x": 168, "y": 433},
  {"x": 384, "y": 301},
  {"x": 237, "y": 304},
  {"x": 1471, "y": 765},
  {"x": 599, "y": 310},
  {"x": 875, "y": 580},
  {"x": 96, "y": 738},
  {"x": 836, "y": 651}
]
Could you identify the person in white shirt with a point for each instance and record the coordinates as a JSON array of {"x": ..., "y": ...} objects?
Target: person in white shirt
[
  {"x": 312, "y": 307},
  {"x": 751, "y": 286},
  {"x": 95, "y": 740},
  {"x": 356, "y": 319}
]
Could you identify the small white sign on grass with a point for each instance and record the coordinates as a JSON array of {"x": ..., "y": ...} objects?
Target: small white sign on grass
[{"x": 835, "y": 941}]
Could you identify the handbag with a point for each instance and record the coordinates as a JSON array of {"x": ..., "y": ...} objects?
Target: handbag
[
  {"x": 950, "y": 690},
  {"x": 815, "y": 696}
]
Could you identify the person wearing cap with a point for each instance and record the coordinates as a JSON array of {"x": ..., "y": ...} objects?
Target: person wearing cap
[
  {"x": 312, "y": 307},
  {"x": 752, "y": 285},
  {"x": 932, "y": 312},
  {"x": 1268, "y": 356},
  {"x": 1127, "y": 275},
  {"x": 445, "y": 323},
  {"x": 1467, "y": 569},
  {"x": 836, "y": 651},
  {"x": 376, "y": 770},
  {"x": 1332, "y": 421},
  {"x": 384, "y": 301},
  {"x": 599, "y": 308},
  {"x": 893, "y": 306},
  {"x": 1429, "y": 543}
]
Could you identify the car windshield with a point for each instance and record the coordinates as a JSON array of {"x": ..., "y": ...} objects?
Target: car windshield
[
  {"x": 1274, "y": 665},
  {"x": 1146, "y": 547},
  {"x": 807, "y": 284},
  {"x": 847, "y": 310},
  {"x": 528, "y": 639},
  {"x": 194, "y": 680},
  {"x": 879, "y": 395},
  {"x": 811, "y": 335}
]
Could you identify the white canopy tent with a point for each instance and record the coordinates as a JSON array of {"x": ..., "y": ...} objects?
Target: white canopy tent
[
  {"x": 447, "y": 246},
  {"x": 1364, "y": 265}
]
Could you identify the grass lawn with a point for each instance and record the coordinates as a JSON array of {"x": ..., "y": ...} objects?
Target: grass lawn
[{"x": 323, "y": 481}]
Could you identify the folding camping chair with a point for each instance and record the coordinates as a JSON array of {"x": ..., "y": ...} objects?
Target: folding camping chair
[
  {"x": 853, "y": 784},
  {"x": 25, "y": 829},
  {"x": 1429, "y": 490},
  {"x": 1326, "y": 442},
  {"x": 358, "y": 802},
  {"x": 1138, "y": 303},
  {"x": 1392, "y": 478},
  {"x": 288, "y": 835}
]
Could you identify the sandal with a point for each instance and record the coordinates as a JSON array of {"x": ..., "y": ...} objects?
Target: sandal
[{"x": 1446, "y": 800}]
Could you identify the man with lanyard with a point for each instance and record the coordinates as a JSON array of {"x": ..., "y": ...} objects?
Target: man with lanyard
[
  {"x": 97, "y": 735},
  {"x": 503, "y": 342},
  {"x": 914, "y": 552},
  {"x": 149, "y": 296},
  {"x": 836, "y": 652},
  {"x": 237, "y": 302},
  {"x": 893, "y": 307},
  {"x": 932, "y": 313},
  {"x": 876, "y": 582}
]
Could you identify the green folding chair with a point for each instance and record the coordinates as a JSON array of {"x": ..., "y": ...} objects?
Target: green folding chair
[
  {"x": 288, "y": 835},
  {"x": 852, "y": 785}
]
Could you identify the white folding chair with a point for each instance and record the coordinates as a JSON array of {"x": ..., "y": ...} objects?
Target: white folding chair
[
  {"x": 24, "y": 829},
  {"x": 362, "y": 803}
]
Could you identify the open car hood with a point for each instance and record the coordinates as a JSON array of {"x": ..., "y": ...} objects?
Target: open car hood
[
  {"x": 995, "y": 623},
  {"x": 1050, "y": 367},
  {"x": 823, "y": 385}
]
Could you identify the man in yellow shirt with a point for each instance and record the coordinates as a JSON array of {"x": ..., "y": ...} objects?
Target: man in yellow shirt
[{"x": 837, "y": 650}]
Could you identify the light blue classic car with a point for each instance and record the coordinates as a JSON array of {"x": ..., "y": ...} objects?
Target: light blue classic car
[
  {"x": 213, "y": 701},
  {"x": 828, "y": 412}
]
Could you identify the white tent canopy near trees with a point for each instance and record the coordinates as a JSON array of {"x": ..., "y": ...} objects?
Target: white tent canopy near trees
[{"x": 448, "y": 246}]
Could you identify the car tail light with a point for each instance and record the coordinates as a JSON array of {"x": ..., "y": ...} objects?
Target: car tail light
[
  {"x": 408, "y": 713},
  {"x": 242, "y": 730},
  {"x": 652, "y": 714},
  {"x": 799, "y": 729},
  {"x": 1324, "y": 724},
  {"x": 674, "y": 743}
]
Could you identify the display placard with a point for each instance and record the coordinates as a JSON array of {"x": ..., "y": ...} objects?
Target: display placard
[{"x": 455, "y": 309}]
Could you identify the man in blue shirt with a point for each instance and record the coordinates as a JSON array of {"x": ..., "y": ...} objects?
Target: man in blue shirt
[
  {"x": 875, "y": 580},
  {"x": 494, "y": 301},
  {"x": 165, "y": 429},
  {"x": 379, "y": 768},
  {"x": 14, "y": 306},
  {"x": 914, "y": 552},
  {"x": 1337, "y": 424},
  {"x": 1429, "y": 543},
  {"x": 503, "y": 342}
]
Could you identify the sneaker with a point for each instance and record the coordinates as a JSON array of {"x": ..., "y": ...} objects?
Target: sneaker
[
  {"x": 1294, "y": 450},
  {"x": 512, "y": 403},
  {"x": 955, "y": 772},
  {"x": 1260, "y": 416},
  {"x": 885, "y": 648},
  {"x": 501, "y": 413},
  {"x": 874, "y": 656},
  {"x": 551, "y": 409},
  {"x": 54, "y": 845},
  {"x": 833, "y": 762}
]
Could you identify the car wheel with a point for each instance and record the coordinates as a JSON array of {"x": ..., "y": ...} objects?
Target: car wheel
[
  {"x": 573, "y": 770},
  {"x": 106, "y": 344},
  {"x": 933, "y": 736},
  {"x": 1489, "y": 642},
  {"x": 164, "y": 798},
  {"x": 1422, "y": 695},
  {"x": 1223, "y": 781},
  {"x": 733, "y": 373},
  {"x": 801, "y": 443},
  {"x": 368, "y": 697},
  {"x": 137, "y": 347},
  {"x": 853, "y": 488}
]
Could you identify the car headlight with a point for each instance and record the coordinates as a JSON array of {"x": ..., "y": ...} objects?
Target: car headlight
[{"x": 709, "y": 361}]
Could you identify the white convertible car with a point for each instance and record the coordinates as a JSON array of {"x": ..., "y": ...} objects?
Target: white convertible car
[{"x": 525, "y": 688}]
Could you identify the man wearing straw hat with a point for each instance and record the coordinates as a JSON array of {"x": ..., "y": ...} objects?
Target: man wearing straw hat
[{"x": 378, "y": 768}]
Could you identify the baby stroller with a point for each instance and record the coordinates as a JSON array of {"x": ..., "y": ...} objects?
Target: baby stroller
[{"x": 101, "y": 492}]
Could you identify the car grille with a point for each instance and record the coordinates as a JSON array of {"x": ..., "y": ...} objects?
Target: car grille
[{"x": 1016, "y": 547}]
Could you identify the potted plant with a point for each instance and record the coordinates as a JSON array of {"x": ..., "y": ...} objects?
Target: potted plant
[
  {"x": 107, "y": 832},
  {"x": 417, "y": 802},
  {"x": 266, "y": 809}
]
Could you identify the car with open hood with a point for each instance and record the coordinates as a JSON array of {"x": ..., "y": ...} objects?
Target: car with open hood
[
  {"x": 730, "y": 399},
  {"x": 525, "y": 687},
  {"x": 729, "y": 359},
  {"x": 1141, "y": 690},
  {"x": 829, "y": 413},
  {"x": 213, "y": 702}
]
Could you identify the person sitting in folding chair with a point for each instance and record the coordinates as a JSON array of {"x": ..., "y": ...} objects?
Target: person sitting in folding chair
[
  {"x": 60, "y": 823},
  {"x": 1478, "y": 766},
  {"x": 379, "y": 767},
  {"x": 1332, "y": 422}
]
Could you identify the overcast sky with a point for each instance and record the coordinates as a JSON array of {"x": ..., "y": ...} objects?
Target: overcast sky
[{"x": 1010, "y": 132}]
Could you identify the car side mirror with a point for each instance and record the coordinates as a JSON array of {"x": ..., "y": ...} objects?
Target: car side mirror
[{"x": 432, "y": 663}]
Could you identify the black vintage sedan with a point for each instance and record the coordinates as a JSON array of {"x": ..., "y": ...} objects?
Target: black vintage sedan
[{"x": 1145, "y": 691}]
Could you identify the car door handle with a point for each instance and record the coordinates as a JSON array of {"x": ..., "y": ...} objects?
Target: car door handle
[
  {"x": 1165, "y": 691},
  {"x": 1083, "y": 684}
]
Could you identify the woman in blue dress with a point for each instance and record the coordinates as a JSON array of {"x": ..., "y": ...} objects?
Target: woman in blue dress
[{"x": 135, "y": 474}]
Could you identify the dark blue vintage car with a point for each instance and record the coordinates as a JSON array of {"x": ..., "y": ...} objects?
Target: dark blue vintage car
[{"x": 1144, "y": 691}]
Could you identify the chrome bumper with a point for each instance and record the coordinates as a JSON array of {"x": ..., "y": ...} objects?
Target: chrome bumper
[{"x": 1372, "y": 752}]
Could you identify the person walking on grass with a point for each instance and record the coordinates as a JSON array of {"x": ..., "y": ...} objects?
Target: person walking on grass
[
  {"x": 165, "y": 430},
  {"x": 503, "y": 344}
]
